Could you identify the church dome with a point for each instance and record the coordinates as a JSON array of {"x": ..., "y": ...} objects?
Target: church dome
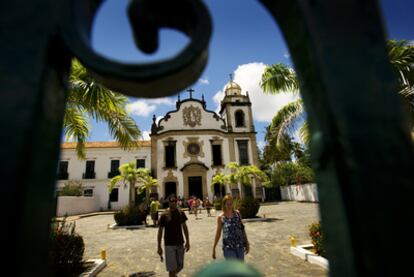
[{"x": 232, "y": 88}]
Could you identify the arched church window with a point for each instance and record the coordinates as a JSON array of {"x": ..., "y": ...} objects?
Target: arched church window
[{"x": 239, "y": 116}]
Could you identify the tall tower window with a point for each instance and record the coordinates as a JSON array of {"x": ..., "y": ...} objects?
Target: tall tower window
[
  {"x": 239, "y": 117},
  {"x": 243, "y": 153}
]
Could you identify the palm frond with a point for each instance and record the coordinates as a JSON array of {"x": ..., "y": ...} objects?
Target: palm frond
[
  {"x": 284, "y": 120},
  {"x": 115, "y": 180},
  {"x": 401, "y": 55},
  {"x": 76, "y": 128},
  {"x": 124, "y": 129},
  {"x": 304, "y": 133},
  {"x": 101, "y": 104},
  {"x": 279, "y": 78}
]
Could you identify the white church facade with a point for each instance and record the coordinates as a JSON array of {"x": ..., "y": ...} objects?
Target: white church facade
[{"x": 188, "y": 146}]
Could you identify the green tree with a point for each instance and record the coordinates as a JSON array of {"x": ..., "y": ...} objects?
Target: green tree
[
  {"x": 243, "y": 175},
  {"x": 292, "y": 173},
  {"x": 71, "y": 188},
  {"x": 87, "y": 99},
  {"x": 279, "y": 78},
  {"x": 221, "y": 179},
  {"x": 132, "y": 176}
]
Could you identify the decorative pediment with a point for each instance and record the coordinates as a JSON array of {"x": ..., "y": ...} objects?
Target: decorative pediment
[
  {"x": 170, "y": 177},
  {"x": 192, "y": 116},
  {"x": 194, "y": 166}
]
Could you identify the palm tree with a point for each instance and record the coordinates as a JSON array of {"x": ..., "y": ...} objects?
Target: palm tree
[
  {"x": 89, "y": 99},
  {"x": 221, "y": 179},
  {"x": 240, "y": 175},
  {"x": 279, "y": 78},
  {"x": 131, "y": 176}
]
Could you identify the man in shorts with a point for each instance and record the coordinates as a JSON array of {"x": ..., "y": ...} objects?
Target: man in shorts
[
  {"x": 173, "y": 221},
  {"x": 154, "y": 206}
]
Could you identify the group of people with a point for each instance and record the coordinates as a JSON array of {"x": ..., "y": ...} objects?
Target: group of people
[
  {"x": 195, "y": 205},
  {"x": 172, "y": 224}
]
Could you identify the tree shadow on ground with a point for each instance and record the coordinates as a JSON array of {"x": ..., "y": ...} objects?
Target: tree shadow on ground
[{"x": 143, "y": 274}]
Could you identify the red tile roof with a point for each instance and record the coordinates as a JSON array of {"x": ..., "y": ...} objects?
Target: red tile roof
[{"x": 102, "y": 144}]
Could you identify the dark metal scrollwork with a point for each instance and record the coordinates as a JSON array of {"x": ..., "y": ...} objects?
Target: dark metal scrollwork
[{"x": 146, "y": 17}]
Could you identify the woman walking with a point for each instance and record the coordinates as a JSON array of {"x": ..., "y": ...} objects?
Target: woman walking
[{"x": 235, "y": 242}]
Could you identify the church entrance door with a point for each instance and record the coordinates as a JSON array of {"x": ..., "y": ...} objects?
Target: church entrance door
[
  {"x": 170, "y": 188},
  {"x": 195, "y": 186}
]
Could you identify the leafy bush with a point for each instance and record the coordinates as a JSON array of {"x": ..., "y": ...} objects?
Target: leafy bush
[
  {"x": 315, "y": 232},
  {"x": 71, "y": 189},
  {"x": 248, "y": 207},
  {"x": 290, "y": 173},
  {"x": 67, "y": 250},
  {"x": 130, "y": 215}
]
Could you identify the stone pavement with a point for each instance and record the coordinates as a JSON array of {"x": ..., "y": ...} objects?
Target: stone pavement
[{"x": 133, "y": 251}]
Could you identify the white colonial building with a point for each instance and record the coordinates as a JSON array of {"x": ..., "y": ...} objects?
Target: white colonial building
[{"x": 188, "y": 146}]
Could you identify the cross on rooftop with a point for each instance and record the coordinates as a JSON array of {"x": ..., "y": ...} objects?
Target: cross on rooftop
[
  {"x": 231, "y": 77},
  {"x": 190, "y": 90}
]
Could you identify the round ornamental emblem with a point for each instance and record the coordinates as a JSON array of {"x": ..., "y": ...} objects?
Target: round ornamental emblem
[
  {"x": 193, "y": 149},
  {"x": 192, "y": 116}
]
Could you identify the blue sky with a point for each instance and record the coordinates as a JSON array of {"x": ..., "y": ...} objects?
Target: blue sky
[{"x": 245, "y": 38}]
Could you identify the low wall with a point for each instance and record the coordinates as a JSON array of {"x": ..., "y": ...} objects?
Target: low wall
[
  {"x": 306, "y": 192},
  {"x": 73, "y": 205}
]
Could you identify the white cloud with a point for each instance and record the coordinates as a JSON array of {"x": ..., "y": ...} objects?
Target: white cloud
[
  {"x": 264, "y": 106},
  {"x": 204, "y": 81},
  {"x": 140, "y": 108},
  {"x": 286, "y": 55},
  {"x": 217, "y": 99},
  {"x": 161, "y": 101},
  {"x": 158, "y": 119},
  {"x": 146, "y": 135},
  {"x": 143, "y": 107}
]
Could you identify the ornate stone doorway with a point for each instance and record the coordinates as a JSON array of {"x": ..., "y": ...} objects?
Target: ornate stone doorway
[
  {"x": 170, "y": 188},
  {"x": 195, "y": 186},
  {"x": 195, "y": 180}
]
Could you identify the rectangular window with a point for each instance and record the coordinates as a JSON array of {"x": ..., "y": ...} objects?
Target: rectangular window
[
  {"x": 217, "y": 155},
  {"x": 243, "y": 153},
  {"x": 63, "y": 170},
  {"x": 113, "y": 196},
  {"x": 114, "y": 169},
  {"x": 114, "y": 165},
  {"x": 89, "y": 170},
  {"x": 140, "y": 163},
  {"x": 88, "y": 192},
  {"x": 170, "y": 155}
]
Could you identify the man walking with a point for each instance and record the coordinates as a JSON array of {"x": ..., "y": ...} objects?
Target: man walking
[
  {"x": 173, "y": 221},
  {"x": 154, "y": 206}
]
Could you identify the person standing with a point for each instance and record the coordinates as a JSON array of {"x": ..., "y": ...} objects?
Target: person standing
[
  {"x": 173, "y": 220},
  {"x": 208, "y": 206},
  {"x": 154, "y": 206},
  {"x": 235, "y": 242},
  {"x": 195, "y": 205}
]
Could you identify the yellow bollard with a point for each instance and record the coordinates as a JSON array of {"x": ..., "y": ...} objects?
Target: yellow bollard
[
  {"x": 103, "y": 254},
  {"x": 292, "y": 241}
]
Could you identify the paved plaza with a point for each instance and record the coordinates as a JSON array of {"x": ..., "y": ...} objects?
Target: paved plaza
[{"x": 134, "y": 251}]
